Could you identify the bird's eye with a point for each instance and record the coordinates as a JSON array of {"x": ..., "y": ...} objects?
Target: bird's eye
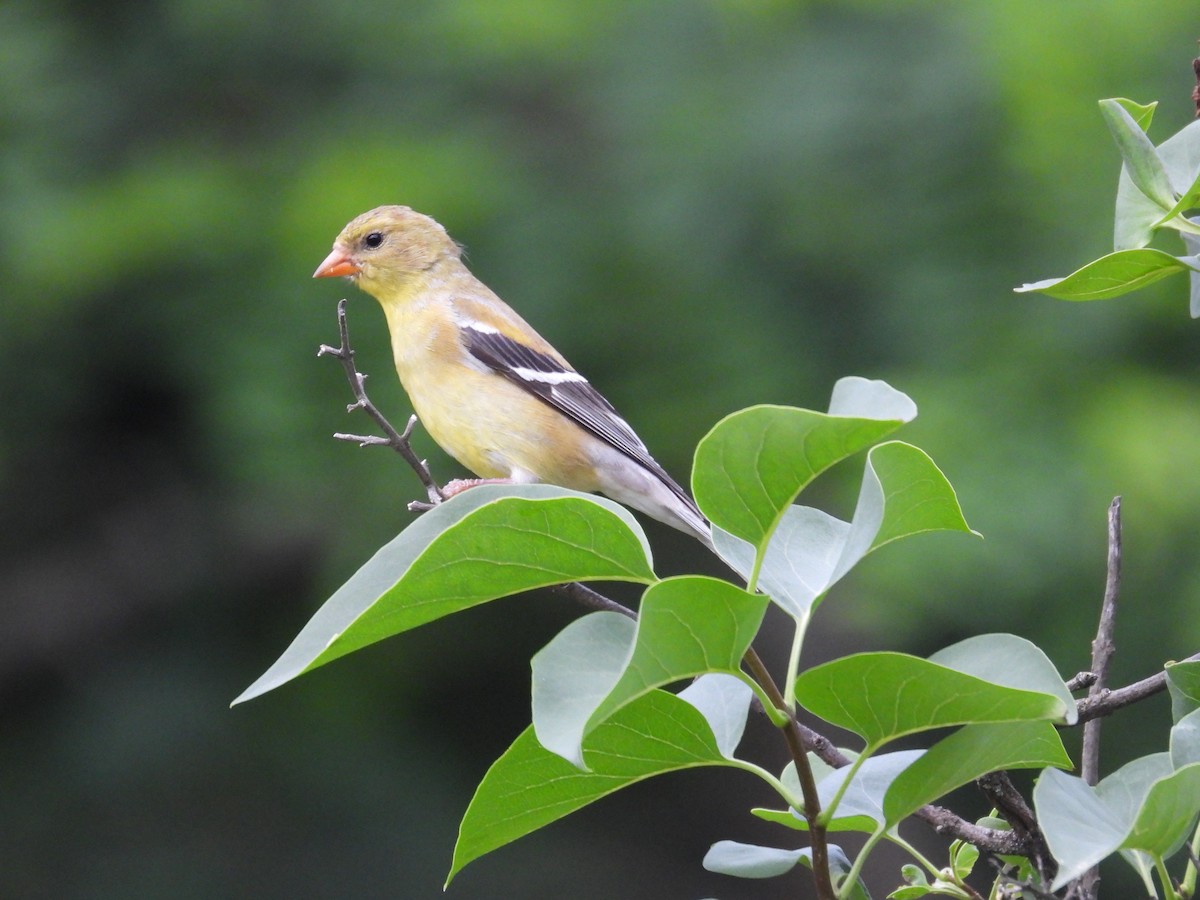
[{"x": 374, "y": 239}]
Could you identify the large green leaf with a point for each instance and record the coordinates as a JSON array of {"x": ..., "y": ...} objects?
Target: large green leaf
[
  {"x": 573, "y": 674},
  {"x": 882, "y": 696},
  {"x": 740, "y": 860},
  {"x": 1011, "y": 661},
  {"x": 1141, "y": 160},
  {"x": 688, "y": 626},
  {"x": 903, "y": 493},
  {"x": 485, "y": 543},
  {"x": 752, "y": 861},
  {"x": 888, "y": 787},
  {"x": 752, "y": 464},
  {"x": 1110, "y": 276},
  {"x": 1168, "y": 814},
  {"x": 1145, "y": 806},
  {"x": 1137, "y": 216},
  {"x": 861, "y": 805},
  {"x": 529, "y": 787},
  {"x": 1080, "y": 830},
  {"x": 969, "y": 753}
]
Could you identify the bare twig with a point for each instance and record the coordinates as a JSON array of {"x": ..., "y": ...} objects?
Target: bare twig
[
  {"x": 1103, "y": 646},
  {"x": 594, "y": 600},
  {"x": 989, "y": 840},
  {"x": 1087, "y": 886},
  {"x": 398, "y": 441},
  {"x": 1081, "y": 681},
  {"x": 1107, "y": 702}
]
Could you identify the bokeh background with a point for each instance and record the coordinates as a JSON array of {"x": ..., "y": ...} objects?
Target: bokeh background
[{"x": 705, "y": 205}]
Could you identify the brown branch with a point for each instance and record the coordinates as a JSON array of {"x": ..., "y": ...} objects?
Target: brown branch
[
  {"x": 991, "y": 840},
  {"x": 808, "y": 784},
  {"x": 398, "y": 441},
  {"x": 1080, "y": 681},
  {"x": 1108, "y": 702},
  {"x": 1103, "y": 646},
  {"x": 1087, "y": 885},
  {"x": 1010, "y": 803},
  {"x": 594, "y": 600}
]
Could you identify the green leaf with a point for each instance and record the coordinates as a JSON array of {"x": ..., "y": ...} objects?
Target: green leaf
[
  {"x": 1141, "y": 113},
  {"x": 965, "y": 857},
  {"x": 800, "y": 557},
  {"x": 688, "y": 626},
  {"x": 749, "y": 860},
  {"x": 909, "y": 495},
  {"x": 1183, "y": 683},
  {"x": 485, "y": 543},
  {"x": 1185, "y": 740},
  {"x": 529, "y": 787},
  {"x": 752, "y": 861},
  {"x": 791, "y": 781},
  {"x": 970, "y": 753},
  {"x": 861, "y": 807},
  {"x": 1168, "y": 814},
  {"x": 786, "y": 817},
  {"x": 1192, "y": 242},
  {"x": 1141, "y": 160},
  {"x": 1125, "y": 790},
  {"x": 1112, "y": 275},
  {"x": 1080, "y": 830},
  {"x": 882, "y": 696},
  {"x": 1011, "y": 661},
  {"x": 1188, "y": 200},
  {"x": 1144, "y": 806},
  {"x": 1136, "y": 215},
  {"x": 573, "y": 674},
  {"x": 912, "y": 892},
  {"x": 752, "y": 464},
  {"x": 903, "y": 493},
  {"x": 724, "y": 701}
]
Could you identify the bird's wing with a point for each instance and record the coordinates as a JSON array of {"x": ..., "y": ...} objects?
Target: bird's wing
[{"x": 566, "y": 391}]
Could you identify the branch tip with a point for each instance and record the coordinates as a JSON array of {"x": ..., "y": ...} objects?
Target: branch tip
[{"x": 394, "y": 439}]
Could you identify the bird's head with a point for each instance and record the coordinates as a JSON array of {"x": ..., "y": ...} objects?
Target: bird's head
[{"x": 385, "y": 250}]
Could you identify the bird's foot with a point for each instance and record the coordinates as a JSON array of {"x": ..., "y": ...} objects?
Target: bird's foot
[{"x": 458, "y": 485}]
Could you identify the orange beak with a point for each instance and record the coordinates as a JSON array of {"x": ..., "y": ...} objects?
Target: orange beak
[{"x": 336, "y": 263}]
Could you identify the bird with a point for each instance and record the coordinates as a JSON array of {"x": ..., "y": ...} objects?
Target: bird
[{"x": 490, "y": 390}]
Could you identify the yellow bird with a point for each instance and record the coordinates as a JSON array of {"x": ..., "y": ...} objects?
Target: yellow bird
[{"x": 487, "y": 387}]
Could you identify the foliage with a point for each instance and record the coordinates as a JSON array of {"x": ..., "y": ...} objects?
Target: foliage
[
  {"x": 1158, "y": 185},
  {"x": 603, "y": 719}
]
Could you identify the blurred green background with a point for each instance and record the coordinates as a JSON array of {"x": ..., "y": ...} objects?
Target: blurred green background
[{"x": 704, "y": 205}]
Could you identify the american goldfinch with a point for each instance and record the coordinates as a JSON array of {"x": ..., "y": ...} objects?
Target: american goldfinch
[{"x": 487, "y": 387}]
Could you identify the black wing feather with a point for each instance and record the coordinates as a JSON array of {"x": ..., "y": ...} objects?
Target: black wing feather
[{"x": 576, "y": 399}]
